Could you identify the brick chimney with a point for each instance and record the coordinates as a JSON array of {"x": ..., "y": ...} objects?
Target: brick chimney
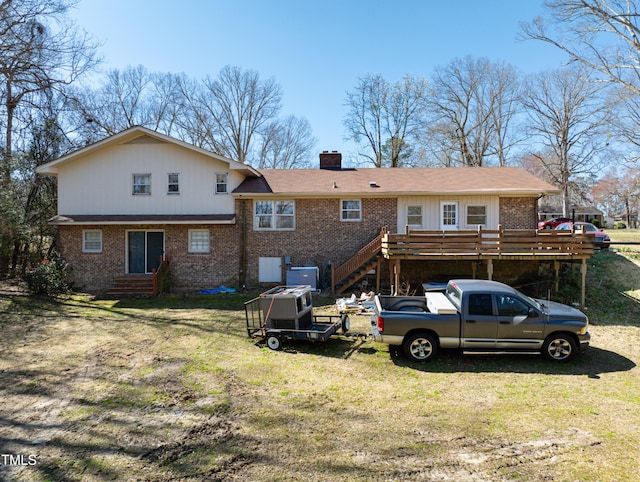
[{"x": 330, "y": 160}]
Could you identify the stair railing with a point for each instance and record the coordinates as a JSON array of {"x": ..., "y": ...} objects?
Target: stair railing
[
  {"x": 159, "y": 274},
  {"x": 371, "y": 249}
]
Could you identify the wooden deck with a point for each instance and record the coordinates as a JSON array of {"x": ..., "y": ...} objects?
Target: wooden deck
[
  {"x": 514, "y": 244},
  {"x": 489, "y": 246}
]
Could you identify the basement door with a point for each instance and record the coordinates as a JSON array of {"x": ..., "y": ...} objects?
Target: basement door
[{"x": 144, "y": 250}]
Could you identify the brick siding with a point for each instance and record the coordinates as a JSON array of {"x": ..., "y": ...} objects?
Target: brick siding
[
  {"x": 95, "y": 272},
  {"x": 320, "y": 237},
  {"x": 518, "y": 213}
]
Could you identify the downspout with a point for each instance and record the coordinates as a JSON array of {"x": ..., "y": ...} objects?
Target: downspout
[{"x": 242, "y": 278}]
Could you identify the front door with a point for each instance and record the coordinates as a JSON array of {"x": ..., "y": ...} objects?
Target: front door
[
  {"x": 144, "y": 250},
  {"x": 449, "y": 216}
]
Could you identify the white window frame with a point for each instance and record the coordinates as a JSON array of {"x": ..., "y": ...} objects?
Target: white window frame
[
  {"x": 176, "y": 183},
  {"x": 134, "y": 185},
  {"x": 415, "y": 225},
  {"x": 345, "y": 210},
  {"x": 449, "y": 215},
  {"x": 86, "y": 248},
  {"x": 199, "y": 245},
  {"x": 476, "y": 206},
  {"x": 222, "y": 183},
  {"x": 272, "y": 218}
]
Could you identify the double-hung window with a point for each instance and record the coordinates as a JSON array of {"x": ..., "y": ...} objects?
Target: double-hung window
[
  {"x": 275, "y": 215},
  {"x": 221, "y": 183},
  {"x": 173, "y": 183},
  {"x": 350, "y": 210},
  {"x": 414, "y": 216},
  {"x": 476, "y": 215},
  {"x": 92, "y": 241},
  {"x": 142, "y": 184}
]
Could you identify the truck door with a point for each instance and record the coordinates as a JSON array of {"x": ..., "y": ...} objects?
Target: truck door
[
  {"x": 479, "y": 324},
  {"x": 518, "y": 326}
]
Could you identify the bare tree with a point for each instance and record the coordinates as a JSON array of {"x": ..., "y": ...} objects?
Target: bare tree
[
  {"x": 473, "y": 104},
  {"x": 129, "y": 97},
  {"x": 40, "y": 49},
  {"x": 619, "y": 193},
  {"x": 386, "y": 118},
  {"x": 286, "y": 144},
  {"x": 238, "y": 104},
  {"x": 601, "y": 34},
  {"x": 568, "y": 118}
]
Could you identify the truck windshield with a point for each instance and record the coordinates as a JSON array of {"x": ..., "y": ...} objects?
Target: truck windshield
[{"x": 530, "y": 300}]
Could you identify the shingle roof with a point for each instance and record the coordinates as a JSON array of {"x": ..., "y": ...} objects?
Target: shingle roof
[{"x": 388, "y": 181}]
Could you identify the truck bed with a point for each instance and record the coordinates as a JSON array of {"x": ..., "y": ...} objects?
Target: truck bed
[{"x": 432, "y": 302}]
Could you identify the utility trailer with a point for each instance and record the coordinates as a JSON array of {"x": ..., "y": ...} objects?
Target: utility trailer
[{"x": 286, "y": 313}]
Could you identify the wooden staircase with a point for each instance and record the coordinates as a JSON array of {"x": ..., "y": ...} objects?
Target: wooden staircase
[
  {"x": 357, "y": 267},
  {"x": 132, "y": 284}
]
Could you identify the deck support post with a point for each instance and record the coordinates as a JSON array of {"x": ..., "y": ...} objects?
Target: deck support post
[
  {"x": 378, "y": 269},
  {"x": 556, "y": 268},
  {"x": 395, "y": 276},
  {"x": 489, "y": 269},
  {"x": 583, "y": 288},
  {"x": 473, "y": 269}
]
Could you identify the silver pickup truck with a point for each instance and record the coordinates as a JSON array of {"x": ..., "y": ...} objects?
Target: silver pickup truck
[{"x": 479, "y": 316}]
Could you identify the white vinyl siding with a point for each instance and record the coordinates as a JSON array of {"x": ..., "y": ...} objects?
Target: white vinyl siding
[
  {"x": 431, "y": 206},
  {"x": 92, "y": 241},
  {"x": 114, "y": 167}
]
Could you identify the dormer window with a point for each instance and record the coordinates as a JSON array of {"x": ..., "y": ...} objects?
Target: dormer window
[{"x": 142, "y": 184}]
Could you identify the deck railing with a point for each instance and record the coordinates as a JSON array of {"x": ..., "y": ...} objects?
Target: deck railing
[{"x": 513, "y": 243}]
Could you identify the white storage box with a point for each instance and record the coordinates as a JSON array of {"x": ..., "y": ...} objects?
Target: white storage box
[{"x": 439, "y": 304}]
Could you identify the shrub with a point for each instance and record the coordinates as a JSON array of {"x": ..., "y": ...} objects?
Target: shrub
[
  {"x": 619, "y": 225},
  {"x": 596, "y": 223},
  {"x": 51, "y": 277}
]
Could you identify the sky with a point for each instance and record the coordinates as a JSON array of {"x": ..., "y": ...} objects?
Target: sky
[{"x": 316, "y": 50}]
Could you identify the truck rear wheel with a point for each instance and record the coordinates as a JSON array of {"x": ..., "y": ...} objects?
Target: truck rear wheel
[
  {"x": 420, "y": 347},
  {"x": 559, "y": 347}
]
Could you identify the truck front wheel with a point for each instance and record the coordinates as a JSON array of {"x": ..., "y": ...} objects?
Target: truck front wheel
[
  {"x": 420, "y": 347},
  {"x": 559, "y": 347}
]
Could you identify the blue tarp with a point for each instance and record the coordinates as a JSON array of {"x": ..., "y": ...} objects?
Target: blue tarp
[{"x": 216, "y": 291}]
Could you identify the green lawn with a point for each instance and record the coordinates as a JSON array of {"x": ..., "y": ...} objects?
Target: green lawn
[{"x": 173, "y": 389}]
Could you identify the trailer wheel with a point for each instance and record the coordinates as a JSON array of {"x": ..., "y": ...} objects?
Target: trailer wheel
[
  {"x": 346, "y": 324},
  {"x": 274, "y": 342},
  {"x": 420, "y": 347}
]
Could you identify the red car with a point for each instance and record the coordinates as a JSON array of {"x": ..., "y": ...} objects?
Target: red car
[{"x": 552, "y": 223}]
